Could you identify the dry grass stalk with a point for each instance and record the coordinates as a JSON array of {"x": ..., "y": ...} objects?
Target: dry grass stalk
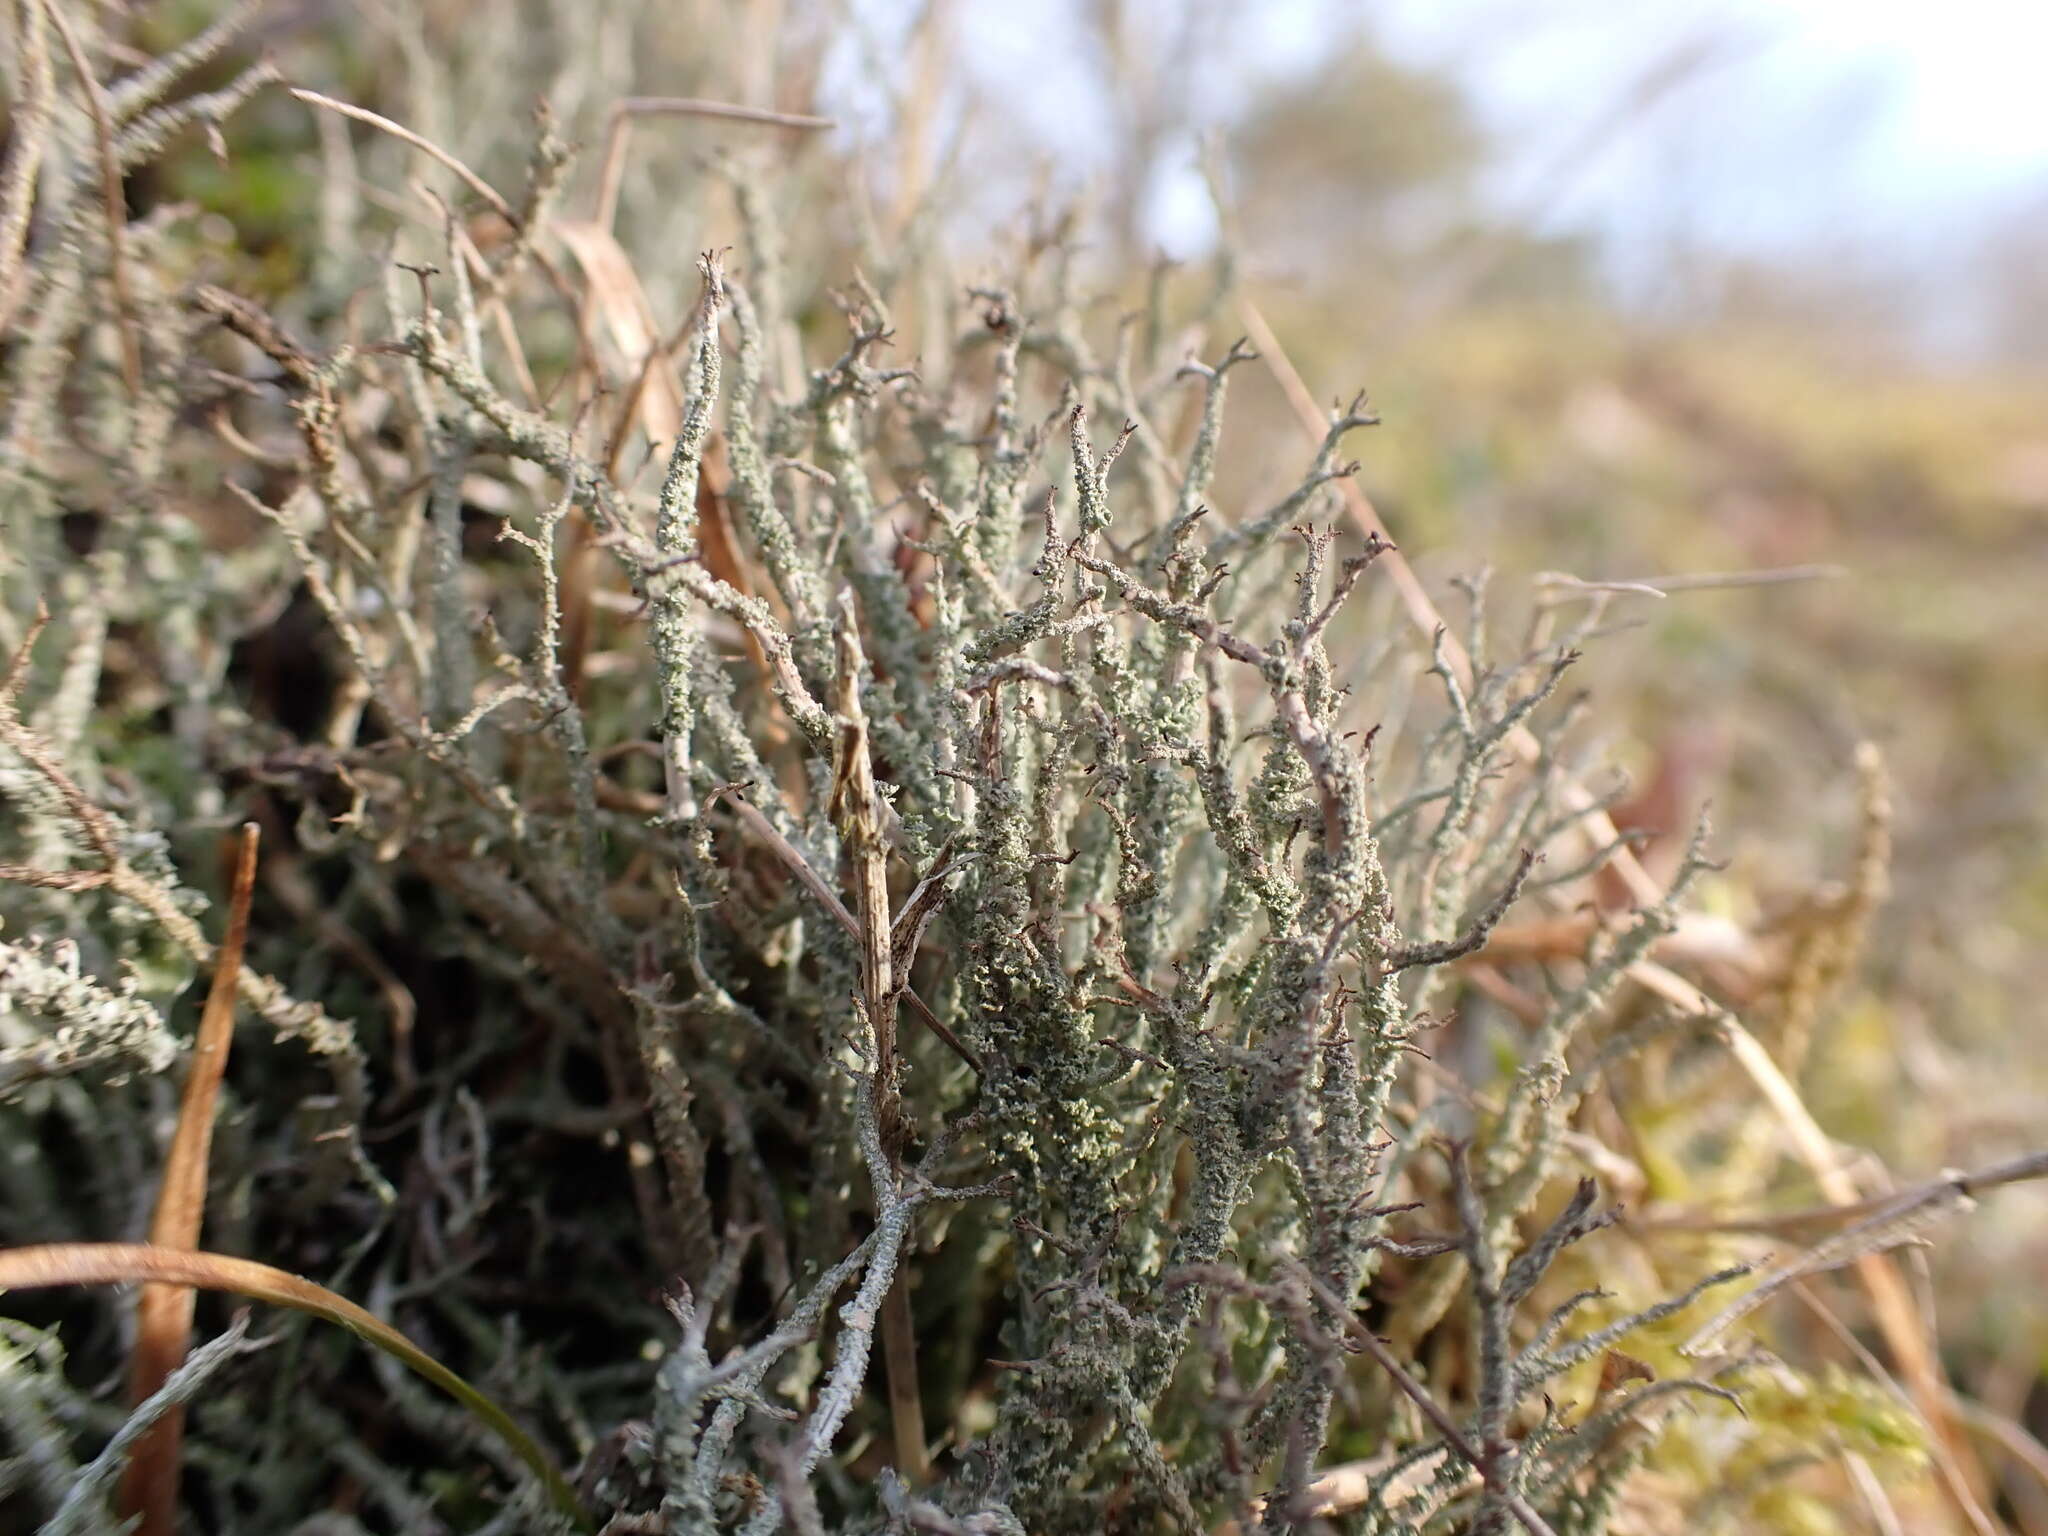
[
  {"x": 163, "y": 1313},
  {"x": 65, "y": 1264}
]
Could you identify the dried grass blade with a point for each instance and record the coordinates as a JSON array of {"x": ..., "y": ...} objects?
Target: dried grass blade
[
  {"x": 470, "y": 179},
  {"x": 163, "y": 1313},
  {"x": 612, "y": 173},
  {"x": 27, "y": 1269},
  {"x": 1905, "y": 1332},
  {"x": 1594, "y": 829},
  {"x": 1890, "y": 1302},
  {"x": 616, "y": 293}
]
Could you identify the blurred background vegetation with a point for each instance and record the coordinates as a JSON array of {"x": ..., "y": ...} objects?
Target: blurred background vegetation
[{"x": 1579, "y": 373}]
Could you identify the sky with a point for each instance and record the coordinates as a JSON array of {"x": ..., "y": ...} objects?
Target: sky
[
  {"x": 1890, "y": 133},
  {"x": 1825, "y": 119}
]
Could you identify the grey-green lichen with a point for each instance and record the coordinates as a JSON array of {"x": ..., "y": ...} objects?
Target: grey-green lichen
[{"x": 1040, "y": 963}]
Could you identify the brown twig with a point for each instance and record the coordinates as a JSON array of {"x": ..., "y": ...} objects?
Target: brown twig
[
  {"x": 750, "y": 816},
  {"x": 2034, "y": 1165},
  {"x": 1432, "y": 1410},
  {"x": 855, "y": 808}
]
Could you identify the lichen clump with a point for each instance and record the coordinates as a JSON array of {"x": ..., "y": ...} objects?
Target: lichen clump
[{"x": 840, "y": 930}]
